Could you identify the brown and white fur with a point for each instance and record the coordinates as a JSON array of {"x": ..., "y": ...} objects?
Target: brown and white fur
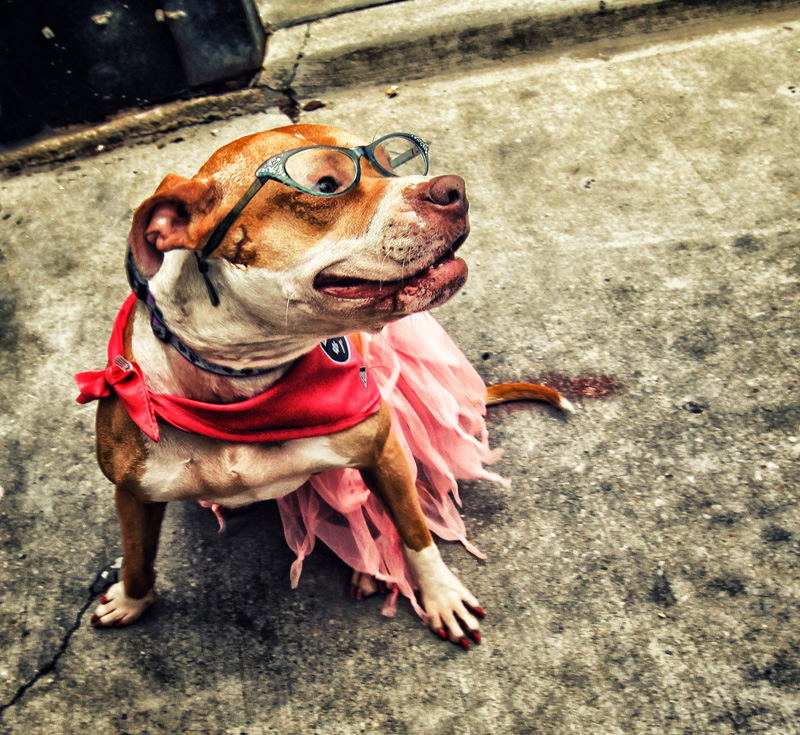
[{"x": 279, "y": 273}]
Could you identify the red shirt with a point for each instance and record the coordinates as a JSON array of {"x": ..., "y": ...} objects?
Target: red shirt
[{"x": 326, "y": 390}]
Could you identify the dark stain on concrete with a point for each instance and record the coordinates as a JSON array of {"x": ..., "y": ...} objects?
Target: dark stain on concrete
[
  {"x": 696, "y": 407},
  {"x": 782, "y": 671},
  {"x": 661, "y": 591},
  {"x": 731, "y": 586},
  {"x": 259, "y": 626},
  {"x": 784, "y": 416},
  {"x": 9, "y": 330},
  {"x": 588, "y": 386},
  {"x": 698, "y": 344},
  {"x": 739, "y": 716},
  {"x": 776, "y": 535},
  {"x": 747, "y": 244}
]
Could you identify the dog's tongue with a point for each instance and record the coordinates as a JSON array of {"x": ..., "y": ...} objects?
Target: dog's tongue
[
  {"x": 431, "y": 279},
  {"x": 353, "y": 288}
]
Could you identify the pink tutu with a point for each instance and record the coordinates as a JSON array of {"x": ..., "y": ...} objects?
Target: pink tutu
[{"x": 437, "y": 401}]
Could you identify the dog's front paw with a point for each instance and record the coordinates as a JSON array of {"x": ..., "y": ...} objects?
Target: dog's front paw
[
  {"x": 364, "y": 585},
  {"x": 453, "y": 611},
  {"x": 117, "y": 609}
]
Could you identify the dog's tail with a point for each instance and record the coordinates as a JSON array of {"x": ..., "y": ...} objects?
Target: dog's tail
[{"x": 507, "y": 392}]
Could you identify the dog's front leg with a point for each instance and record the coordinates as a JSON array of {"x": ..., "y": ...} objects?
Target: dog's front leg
[
  {"x": 452, "y": 610},
  {"x": 140, "y": 522}
]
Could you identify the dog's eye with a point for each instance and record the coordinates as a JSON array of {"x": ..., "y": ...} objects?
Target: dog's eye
[
  {"x": 321, "y": 170},
  {"x": 326, "y": 185}
]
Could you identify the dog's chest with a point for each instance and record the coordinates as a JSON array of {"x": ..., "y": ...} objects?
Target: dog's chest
[{"x": 185, "y": 466}]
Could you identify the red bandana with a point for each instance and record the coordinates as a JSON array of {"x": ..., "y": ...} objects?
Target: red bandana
[{"x": 325, "y": 391}]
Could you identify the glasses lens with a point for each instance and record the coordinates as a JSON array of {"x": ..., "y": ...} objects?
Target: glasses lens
[
  {"x": 322, "y": 171},
  {"x": 401, "y": 156}
]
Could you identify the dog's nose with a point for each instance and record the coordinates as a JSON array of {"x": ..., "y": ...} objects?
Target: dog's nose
[{"x": 448, "y": 191}]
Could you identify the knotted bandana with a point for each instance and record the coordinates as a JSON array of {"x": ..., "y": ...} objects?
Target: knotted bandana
[{"x": 326, "y": 390}]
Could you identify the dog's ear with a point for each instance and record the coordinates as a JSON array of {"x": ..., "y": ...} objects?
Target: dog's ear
[{"x": 178, "y": 215}]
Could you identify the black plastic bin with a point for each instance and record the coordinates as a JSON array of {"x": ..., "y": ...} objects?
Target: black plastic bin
[{"x": 77, "y": 61}]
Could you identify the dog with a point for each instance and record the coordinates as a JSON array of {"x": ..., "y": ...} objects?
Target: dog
[{"x": 244, "y": 279}]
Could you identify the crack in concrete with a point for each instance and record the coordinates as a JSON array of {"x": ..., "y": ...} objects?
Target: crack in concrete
[
  {"x": 300, "y": 54},
  {"x": 292, "y": 106},
  {"x": 292, "y": 110},
  {"x": 101, "y": 582}
]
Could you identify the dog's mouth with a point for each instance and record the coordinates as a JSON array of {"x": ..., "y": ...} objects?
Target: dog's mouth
[{"x": 433, "y": 283}]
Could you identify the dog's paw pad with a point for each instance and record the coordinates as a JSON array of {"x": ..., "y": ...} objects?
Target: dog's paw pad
[{"x": 117, "y": 609}]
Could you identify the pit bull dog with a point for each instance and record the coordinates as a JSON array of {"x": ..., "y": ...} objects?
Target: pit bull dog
[{"x": 228, "y": 378}]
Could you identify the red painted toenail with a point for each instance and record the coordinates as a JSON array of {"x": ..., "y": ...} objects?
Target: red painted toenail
[
  {"x": 104, "y": 600},
  {"x": 476, "y": 637},
  {"x": 442, "y": 635},
  {"x": 464, "y": 643},
  {"x": 479, "y": 612}
]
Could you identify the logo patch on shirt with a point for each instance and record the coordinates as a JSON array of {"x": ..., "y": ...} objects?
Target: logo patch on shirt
[{"x": 337, "y": 349}]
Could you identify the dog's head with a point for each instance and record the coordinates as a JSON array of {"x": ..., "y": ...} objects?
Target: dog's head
[{"x": 380, "y": 251}]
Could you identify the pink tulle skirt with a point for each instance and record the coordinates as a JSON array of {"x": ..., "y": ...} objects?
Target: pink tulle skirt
[{"x": 437, "y": 402}]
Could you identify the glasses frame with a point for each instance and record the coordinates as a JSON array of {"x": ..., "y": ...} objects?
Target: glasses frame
[{"x": 274, "y": 169}]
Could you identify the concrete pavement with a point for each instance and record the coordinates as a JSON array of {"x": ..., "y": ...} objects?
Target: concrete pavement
[
  {"x": 634, "y": 211},
  {"x": 318, "y": 47},
  {"x": 315, "y": 48}
]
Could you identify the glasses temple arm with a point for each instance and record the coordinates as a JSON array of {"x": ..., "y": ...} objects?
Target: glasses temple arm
[
  {"x": 219, "y": 233},
  {"x": 222, "y": 228},
  {"x": 404, "y": 157}
]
